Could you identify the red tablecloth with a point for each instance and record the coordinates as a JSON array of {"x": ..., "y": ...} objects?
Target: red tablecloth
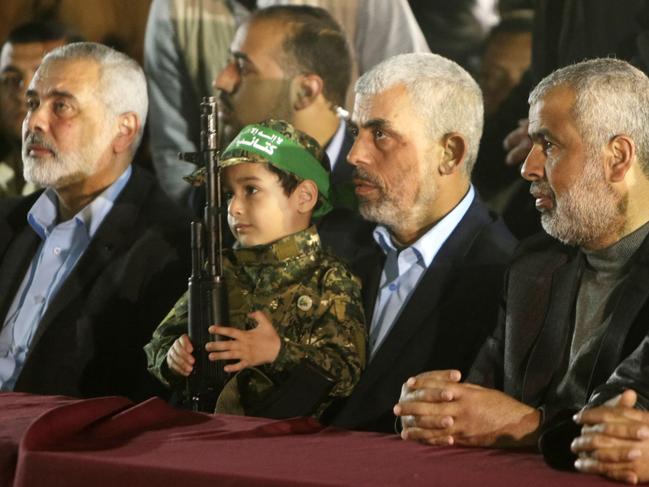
[{"x": 54, "y": 441}]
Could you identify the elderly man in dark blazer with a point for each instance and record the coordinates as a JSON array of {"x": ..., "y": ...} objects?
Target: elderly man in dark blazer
[
  {"x": 575, "y": 321},
  {"x": 90, "y": 264},
  {"x": 431, "y": 285}
]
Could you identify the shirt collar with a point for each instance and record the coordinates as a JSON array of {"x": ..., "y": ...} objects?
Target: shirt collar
[
  {"x": 43, "y": 214},
  {"x": 301, "y": 244},
  {"x": 428, "y": 245},
  {"x": 336, "y": 144}
]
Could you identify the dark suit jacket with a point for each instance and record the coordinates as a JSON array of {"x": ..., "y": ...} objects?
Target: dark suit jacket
[
  {"x": 448, "y": 317},
  {"x": 528, "y": 354},
  {"x": 343, "y": 231},
  {"x": 345, "y": 234},
  {"x": 343, "y": 170},
  {"x": 89, "y": 342}
]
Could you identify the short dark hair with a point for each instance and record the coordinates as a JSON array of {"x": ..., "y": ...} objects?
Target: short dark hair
[
  {"x": 314, "y": 43},
  {"x": 41, "y": 31}
]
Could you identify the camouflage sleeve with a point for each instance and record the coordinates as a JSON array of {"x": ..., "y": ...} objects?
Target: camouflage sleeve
[
  {"x": 173, "y": 326},
  {"x": 336, "y": 339}
]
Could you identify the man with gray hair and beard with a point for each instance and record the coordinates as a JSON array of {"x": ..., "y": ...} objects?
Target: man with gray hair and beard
[
  {"x": 431, "y": 284},
  {"x": 576, "y": 311},
  {"x": 90, "y": 265}
]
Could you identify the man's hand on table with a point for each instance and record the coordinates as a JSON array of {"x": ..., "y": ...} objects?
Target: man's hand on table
[
  {"x": 614, "y": 440},
  {"x": 437, "y": 409}
]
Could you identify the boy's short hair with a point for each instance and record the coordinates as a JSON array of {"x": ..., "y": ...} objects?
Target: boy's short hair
[{"x": 286, "y": 151}]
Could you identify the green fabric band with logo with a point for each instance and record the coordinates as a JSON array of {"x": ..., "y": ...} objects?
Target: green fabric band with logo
[{"x": 256, "y": 143}]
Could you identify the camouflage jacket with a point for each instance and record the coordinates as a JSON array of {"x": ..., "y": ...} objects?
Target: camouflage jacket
[{"x": 313, "y": 301}]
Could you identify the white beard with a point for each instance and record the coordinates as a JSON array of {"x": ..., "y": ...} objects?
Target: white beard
[
  {"x": 587, "y": 211},
  {"x": 60, "y": 170}
]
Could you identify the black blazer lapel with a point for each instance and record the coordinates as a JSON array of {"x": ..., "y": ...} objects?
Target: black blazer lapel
[
  {"x": 421, "y": 304},
  {"x": 7, "y": 233},
  {"x": 428, "y": 292},
  {"x": 369, "y": 268},
  {"x": 14, "y": 265},
  {"x": 548, "y": 352},
  {"x": 634, "y": 296},
  {"x": 342, "y": 170},
  {"x": 112, "y": 237},
  {"x": 18, "y": 244}
]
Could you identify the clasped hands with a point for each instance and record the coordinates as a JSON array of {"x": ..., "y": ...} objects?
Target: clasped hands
[
  {"x": 614, "y": 440},
  {"x": 258, "y": 346},
  {"x": 437, "y": 409}
]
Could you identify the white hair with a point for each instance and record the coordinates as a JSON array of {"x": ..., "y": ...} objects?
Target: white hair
[
  {"x": 445, "y": 96},
  {"x": 122, "y": 85},
  {"x": 611, "y": 98}
]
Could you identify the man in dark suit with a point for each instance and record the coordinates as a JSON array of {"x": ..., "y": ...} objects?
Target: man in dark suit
[
  {"x": 90, "y": 265},
  {"x": 574, "y": 327},
  {"x": 294, "y": 63},
  {"x": 432, "y": 283}
]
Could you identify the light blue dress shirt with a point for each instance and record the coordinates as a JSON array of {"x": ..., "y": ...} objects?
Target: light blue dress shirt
[
  {"x": 404, "y": 268},
  {"x": 62, "y": 245}
]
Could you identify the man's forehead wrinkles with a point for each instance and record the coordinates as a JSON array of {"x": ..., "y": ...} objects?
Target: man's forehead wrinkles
[
  {"x": 54, "y": 86},
  {"x": 533, "y": 125},
  {"x": 361, "y": 113},
  {"x": 356, "y": 119}
]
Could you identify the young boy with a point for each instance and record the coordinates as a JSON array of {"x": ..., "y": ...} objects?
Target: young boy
[{"x": 289, "y": 302}]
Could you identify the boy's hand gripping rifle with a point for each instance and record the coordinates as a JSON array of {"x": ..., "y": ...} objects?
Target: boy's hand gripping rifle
[{"x": 207, "y": 290}]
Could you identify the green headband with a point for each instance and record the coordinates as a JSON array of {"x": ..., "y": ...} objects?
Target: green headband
[{"x": 256, "y": 143}]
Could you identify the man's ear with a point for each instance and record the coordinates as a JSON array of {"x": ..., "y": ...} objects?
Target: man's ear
[
  {"x": 455, "y": 149},
  {"x": 622, "y": 154},
  {"x": 306, "y": 193},
  {"x": 128, "y": 126},
  {"x": 307, "y": 89}
]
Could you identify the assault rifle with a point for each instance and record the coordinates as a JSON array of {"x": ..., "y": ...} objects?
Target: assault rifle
[{"x": 207, "y": 289}]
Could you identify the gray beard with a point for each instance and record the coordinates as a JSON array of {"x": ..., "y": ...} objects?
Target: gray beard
[{"x": 589, "y": 210}]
